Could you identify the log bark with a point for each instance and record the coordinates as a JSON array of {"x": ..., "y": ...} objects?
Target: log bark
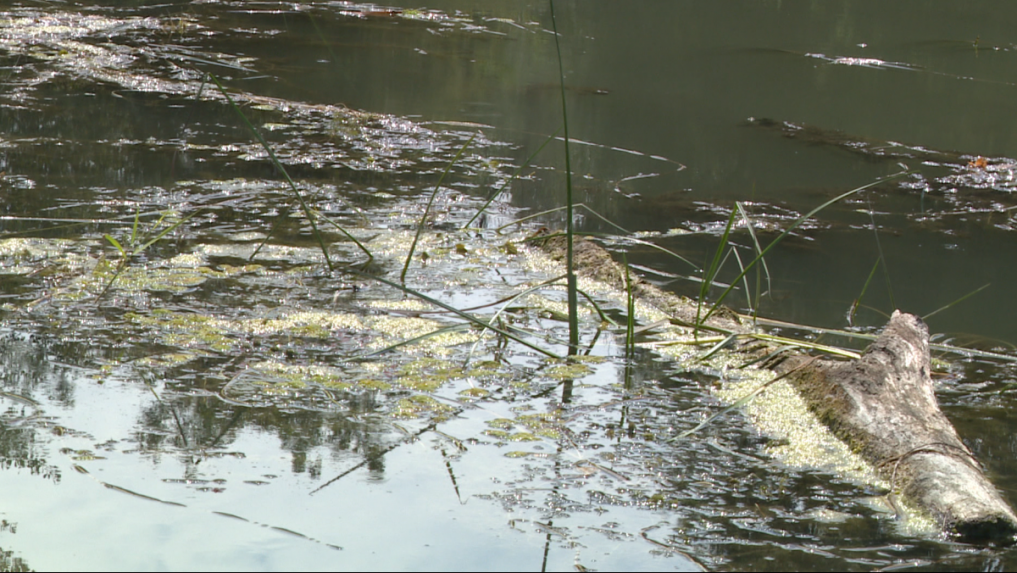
[{"x": 882, "y": 405}]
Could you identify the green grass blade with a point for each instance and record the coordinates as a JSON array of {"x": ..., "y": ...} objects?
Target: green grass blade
[
  {"x": 511, "y": 179},
  {"x": 109, "y": 284},
  {"x": 711, "y": 272},
  {"x": 452, "y": 309},
  {"x": 961, "y": 299},
  {"x": 792, "y": 343},
  {"x": 596, "y": 307},
  {"x": 727, "y": 341},
  {"x": 741, "y": 402},
  {"x": 345, "y": 233},
  {"x": 321, "y": 36},
  {"x": 865, "y": 287},
  {"x": 138, "y": 249},
  {"x": 708, "y": 421},
  {"x": 886, "y": 271},
  {"x": 113, "y": 241},
  {"x": 788, "y": 231},
  {"x": 759, "y": 249},
  {"x": 413, "y": 340},
  {"x": 864, "y": 336},
  {"x": 505, "y": 305},
  {"x": 573, "y": 299},
  {"x": 665, "y": 250},
  {"x": 745, "y": 281},
  {"x": 630, "y": 312},
  {"x": 563, "y": 208},
  {"x": 165, "y": 232},
  {"x": 278, "y": 165},
  {"x": 427, "y": 209},
  {"x": 284, "y": 212}
]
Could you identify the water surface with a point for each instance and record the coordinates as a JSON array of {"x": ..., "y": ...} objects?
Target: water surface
[{"x": 205, "y": 413}]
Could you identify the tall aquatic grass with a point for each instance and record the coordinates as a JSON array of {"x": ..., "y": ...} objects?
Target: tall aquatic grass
[
  {"x": 882, "y": 259},
  {"x": 701, "y": 318},
  {"x": 762, "y": 268},
  {"x": 497, "y": 192},
  {"x": 630, "y": 312},
  {"x": 865, "y": 287},
  {"x": 308, "y": 212},
  {"x": 571, "y": 284},
  {"x": 427, "y": 209}
]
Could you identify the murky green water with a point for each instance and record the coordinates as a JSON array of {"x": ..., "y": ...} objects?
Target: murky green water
[{"x": 216, "y": 408}]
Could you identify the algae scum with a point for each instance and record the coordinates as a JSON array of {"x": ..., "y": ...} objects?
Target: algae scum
[{"x": 210, "y": 401}]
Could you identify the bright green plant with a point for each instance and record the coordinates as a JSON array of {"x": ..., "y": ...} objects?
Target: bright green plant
[{"x": 137, "y": 244}]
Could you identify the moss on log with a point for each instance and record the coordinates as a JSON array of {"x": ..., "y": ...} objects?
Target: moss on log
[{"x": 882, "y": 405}]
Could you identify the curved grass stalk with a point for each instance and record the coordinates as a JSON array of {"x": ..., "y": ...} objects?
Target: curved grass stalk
[
  {"x": 864, "y": 336},
  {"x": 741, "y": 402},
  {"x": 865, "y": 287},
  {"x": 836, "y": 351},
  {"x": 727, "y": 341},
  {"x": 755, "y": 243},
  {"x": 653, "y": 245},
  {"x": 745, "y": 281},
  {"x": 427, "y": 209},
  {"x": 721, "y": 342},
  {"x": 738, "y": 404},
  {"x": 547, "y": 336},
  {"x": 308, "y": 212},
  {"x": 511, "y": 179},
  {"x": 784, "y": 234},
  {"x": 563, "y": 208},
  {"x": 711, "y": 272},
  {"x": 596, "y": 307},
  {"x": 413, "y": 340},
  {"x": 452, "y": 309},
  {"x": 879, "y": 249},
  {"x": 630, "y": 313},
  {"x": 961, "y": 299},
  {"x": 338, "y": 227},
  {"x": 505, "y": 306},
  {"x": 702, "y": 341}
]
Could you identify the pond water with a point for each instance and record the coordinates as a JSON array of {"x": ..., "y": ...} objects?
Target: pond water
[{"x": 206, "y": 403}]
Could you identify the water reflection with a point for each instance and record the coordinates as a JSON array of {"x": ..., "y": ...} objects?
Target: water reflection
[{"x": 181, "y": 387}]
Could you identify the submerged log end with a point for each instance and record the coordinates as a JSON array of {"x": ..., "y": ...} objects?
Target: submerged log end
[
  {"x": 959, "y": 497},
  {"x": 884, "y": 407}
]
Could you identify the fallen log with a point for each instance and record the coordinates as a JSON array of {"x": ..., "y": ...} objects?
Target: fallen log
[{"x": 882, "y": 405}]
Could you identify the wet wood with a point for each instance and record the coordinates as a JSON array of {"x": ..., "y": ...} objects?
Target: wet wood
[{"x": 882, "y": 405}]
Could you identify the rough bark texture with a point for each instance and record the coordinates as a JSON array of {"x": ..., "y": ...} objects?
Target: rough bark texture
[{"x": 882, "y": 405}]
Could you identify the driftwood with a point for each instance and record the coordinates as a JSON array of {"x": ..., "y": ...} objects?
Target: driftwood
[{"x": 882, "y": 405}]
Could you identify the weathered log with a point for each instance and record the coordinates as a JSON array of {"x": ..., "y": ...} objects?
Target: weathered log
[{"x": 882, "y": 405}]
